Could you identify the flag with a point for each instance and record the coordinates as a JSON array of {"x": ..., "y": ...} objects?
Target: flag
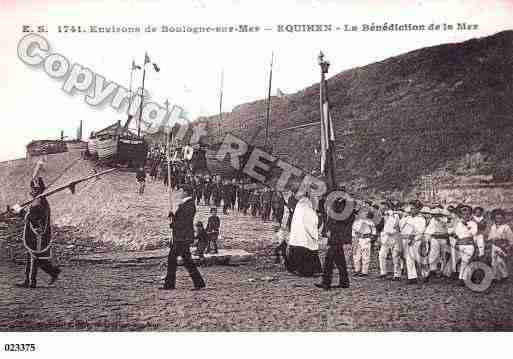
[
  {"x": 134, "y": 66},
  {"x": 156, "y": 67},
  {"x": 327, "y": 139},
  {"x": 146, "y": 58}
]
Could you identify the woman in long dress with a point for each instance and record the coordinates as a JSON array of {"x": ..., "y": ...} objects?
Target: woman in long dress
[{"x": 303, "y": 254}]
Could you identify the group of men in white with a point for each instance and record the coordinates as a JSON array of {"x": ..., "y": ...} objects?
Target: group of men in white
[{"x": 426, "y": 241}]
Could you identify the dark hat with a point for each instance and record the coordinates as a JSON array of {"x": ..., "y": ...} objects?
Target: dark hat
[
  {"x": 416, "y": 204},
  {"x": 462, "y": 207},
  {"x": 38, "y": 185}
]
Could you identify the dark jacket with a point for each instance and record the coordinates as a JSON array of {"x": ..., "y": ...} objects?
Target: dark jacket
[
  {"x": 37, "y": 221},
  {"x": 213, "y": 224},
  {"x": 340, "y": 229},
  {"x": 183, "y": 222}
]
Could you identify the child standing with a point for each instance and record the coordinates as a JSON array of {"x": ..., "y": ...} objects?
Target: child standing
[
  {"x": 213, "y": 225},
  {"x": 281, "y": 238},
  {"x": 201, "y": 240}
]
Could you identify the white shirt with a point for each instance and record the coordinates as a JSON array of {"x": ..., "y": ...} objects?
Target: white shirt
[
  {"x": 412, "y": 225},
  {"x": 391, "y": 222},
  {"x": 436, "y": 226},
  {"x": 502, "y": 231},
  {"x": 363, "y": 227},
  {"x": 462, "y": 230}
]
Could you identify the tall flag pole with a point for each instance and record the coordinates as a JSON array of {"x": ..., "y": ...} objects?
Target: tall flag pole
[
  {"x": 220, "y": 105},
  {"x": 327, "y": 132},
  {"x": 164, "y": 130},
  {"x": 146, "y": 61},
  {"x": 268, "y": 118},
  {"x": 129, "y": 117},
  {"x": 157, "y": 69}
]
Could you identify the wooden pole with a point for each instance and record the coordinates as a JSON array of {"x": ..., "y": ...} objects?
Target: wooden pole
[
  {"x": 220, "y": 106},
  {"x": 268, "y": 118},
  {"x": 142, "y": 101}
]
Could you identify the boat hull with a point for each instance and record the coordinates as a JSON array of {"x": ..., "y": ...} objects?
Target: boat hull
[
  {"x": 107, "y": 148},
  {"x": 132, "y": 152}
]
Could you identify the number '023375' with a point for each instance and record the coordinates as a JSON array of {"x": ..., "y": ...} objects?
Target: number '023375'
[{"x": 19, "y": 347}]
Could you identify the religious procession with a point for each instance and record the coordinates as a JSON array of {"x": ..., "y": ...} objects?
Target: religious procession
[{"x": 154, "y": 198}]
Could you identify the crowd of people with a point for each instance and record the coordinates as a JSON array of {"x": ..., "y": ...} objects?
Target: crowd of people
[{"x": 412, "y": 240}]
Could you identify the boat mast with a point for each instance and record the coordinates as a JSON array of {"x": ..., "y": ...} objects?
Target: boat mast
[
  {"x": 220, "y": 106},
  {"x": 132, "y": 68},
  {"x": 142, "y": 97},
  {"x": 268, "y": 117}
]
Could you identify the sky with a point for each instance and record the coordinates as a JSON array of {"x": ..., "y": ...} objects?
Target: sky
[{"x": 34, "y": 106}]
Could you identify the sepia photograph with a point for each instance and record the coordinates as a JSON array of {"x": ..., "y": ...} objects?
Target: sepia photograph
[{"x": 295, "y": 167}]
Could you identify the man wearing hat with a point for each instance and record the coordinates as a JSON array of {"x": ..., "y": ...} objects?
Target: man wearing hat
[
  {"x": 464, "y": 231},
  {"x": 37, "y": 236},
  {"x": 438, "y": 232},
  {"x": 181, "y": 219},
  {"x": 390, "y": 243},
  {"x": 412, "y": 226}
]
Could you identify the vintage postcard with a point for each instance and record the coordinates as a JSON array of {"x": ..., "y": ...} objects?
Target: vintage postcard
[{"x": 236, "y": 166}]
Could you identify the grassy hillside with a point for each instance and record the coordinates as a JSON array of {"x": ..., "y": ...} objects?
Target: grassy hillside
[{"x": 401, "y": 118}]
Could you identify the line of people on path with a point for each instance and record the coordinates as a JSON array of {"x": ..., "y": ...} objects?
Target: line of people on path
[{"x": 411, "y": 239}]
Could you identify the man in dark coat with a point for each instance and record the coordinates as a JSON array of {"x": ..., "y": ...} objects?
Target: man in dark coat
[
  {"x": 291, "y": 205},
  {"x": 37, "y": 236},
  {"x": 209, "y": 187},
  {"x": 339, "y": 233},
  {"x": 266, "y": 204},
  {"x": 182, "y": 225},
  {"x": 200, "y": 188},
  {"x": 278, "y": 205},
  {"x": 217, "y": 190}
]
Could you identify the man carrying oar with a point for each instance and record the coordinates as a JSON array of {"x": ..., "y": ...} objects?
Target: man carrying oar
[{"x": 37, "y": 236}]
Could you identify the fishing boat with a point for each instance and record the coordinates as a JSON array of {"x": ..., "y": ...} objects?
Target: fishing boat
[{"x": 119, "y": 145}]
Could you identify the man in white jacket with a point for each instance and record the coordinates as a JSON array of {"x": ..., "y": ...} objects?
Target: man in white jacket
[
  {"x": 412, "y": 226},
  {"x": 464, "y": 230}
]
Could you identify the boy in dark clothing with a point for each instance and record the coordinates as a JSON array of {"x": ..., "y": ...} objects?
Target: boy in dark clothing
[
  {"x": 201, "y": 240},
  {"x": 213, "y": 225}
]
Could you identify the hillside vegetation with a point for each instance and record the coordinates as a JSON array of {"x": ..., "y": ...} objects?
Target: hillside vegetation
[{"x": 401, "y": 118}]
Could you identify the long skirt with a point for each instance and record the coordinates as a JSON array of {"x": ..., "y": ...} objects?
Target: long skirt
[{"x": 303, "y": 261}]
